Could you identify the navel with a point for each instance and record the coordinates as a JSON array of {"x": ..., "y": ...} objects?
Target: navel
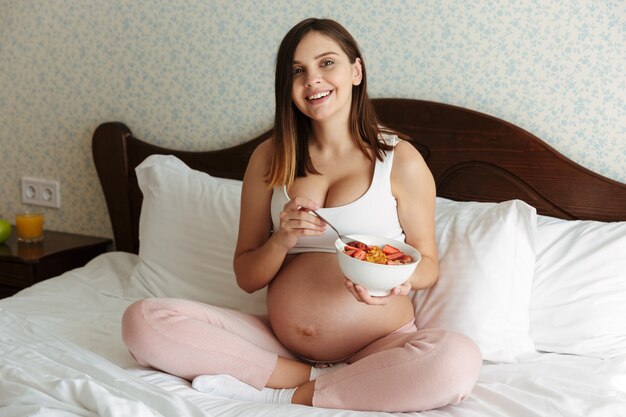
[{"x": 308, "y": 330}]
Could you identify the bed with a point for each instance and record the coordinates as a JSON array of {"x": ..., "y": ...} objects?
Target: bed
[{"x": 533, "y": 261}]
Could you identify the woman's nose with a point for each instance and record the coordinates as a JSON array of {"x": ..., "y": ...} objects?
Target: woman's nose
[{"x": 313, "y": 77}]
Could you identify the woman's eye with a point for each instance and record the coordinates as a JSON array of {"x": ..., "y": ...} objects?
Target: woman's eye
[
  {"x": 296, "y": 71},
  {"x": 327, "y": 62}
]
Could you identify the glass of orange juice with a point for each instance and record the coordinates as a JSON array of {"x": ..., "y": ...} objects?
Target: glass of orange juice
[{"x": 29, "y": 227}]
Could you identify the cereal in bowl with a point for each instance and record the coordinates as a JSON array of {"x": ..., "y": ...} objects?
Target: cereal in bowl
[{"x": 387, "y": 255}]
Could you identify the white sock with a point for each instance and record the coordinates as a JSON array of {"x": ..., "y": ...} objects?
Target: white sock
[
  {"x": 224, "y": 385},
  {"x": 315, "y": 372}
]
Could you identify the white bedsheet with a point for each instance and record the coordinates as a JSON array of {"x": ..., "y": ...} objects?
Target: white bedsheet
[{"x": 61, "y": 354}]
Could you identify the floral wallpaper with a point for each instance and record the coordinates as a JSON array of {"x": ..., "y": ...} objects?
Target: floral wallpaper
[{"x": 198, "y": 74}]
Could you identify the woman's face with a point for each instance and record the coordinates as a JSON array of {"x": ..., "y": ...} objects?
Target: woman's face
[{"x": 323, "y": 77}]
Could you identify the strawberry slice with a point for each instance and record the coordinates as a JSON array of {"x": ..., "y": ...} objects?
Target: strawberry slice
[
  {"x": 395, "y": 256},
  {"x": 406, "y": 259},
  {"x": 359, "y": 254},
  {"x": 350, "y": 252},
  {"x": 392, "y": 262},
  {"x": 358, "y": 245},
  {"x": 388, "y": 249}
]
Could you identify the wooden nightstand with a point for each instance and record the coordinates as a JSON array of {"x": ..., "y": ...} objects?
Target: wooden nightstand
[{"x": 24, "y": 264}]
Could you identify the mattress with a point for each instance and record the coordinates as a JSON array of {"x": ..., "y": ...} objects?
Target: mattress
[{"x": 61, "y": 354}]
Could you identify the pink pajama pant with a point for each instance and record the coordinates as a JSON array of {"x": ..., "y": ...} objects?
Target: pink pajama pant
[{"x": 408, "y": 370}]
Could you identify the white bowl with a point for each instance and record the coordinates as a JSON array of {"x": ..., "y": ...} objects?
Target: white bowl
[{"x": 377, "y": 279}]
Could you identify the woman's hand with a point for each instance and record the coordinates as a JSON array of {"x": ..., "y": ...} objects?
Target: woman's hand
[
  {"x": 296, "y": 221},
  {"x": 362, "y": 295}
]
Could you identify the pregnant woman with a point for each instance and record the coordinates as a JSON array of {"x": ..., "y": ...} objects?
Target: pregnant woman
[{"x": 325, "y": 342}]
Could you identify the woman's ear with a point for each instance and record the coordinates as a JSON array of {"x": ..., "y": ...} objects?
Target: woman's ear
[{"x": 357, "y": 76}]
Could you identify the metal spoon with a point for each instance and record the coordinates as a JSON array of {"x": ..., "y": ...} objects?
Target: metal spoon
[{"x": 343, "y": 238}]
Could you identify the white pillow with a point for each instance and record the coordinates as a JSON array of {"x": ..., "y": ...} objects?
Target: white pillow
[
  {"x": 188, "y": 232},
  {"x": 487, "y": 261},
  {"x": 579, "y": 294}
]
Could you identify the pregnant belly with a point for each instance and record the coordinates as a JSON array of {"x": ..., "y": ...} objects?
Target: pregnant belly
[{"x": 316, "y": 317}]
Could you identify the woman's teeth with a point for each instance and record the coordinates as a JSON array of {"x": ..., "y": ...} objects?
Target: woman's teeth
[{"x": 318, "y": 95}]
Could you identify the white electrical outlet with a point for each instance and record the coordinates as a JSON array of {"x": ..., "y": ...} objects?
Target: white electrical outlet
[{"x": 38, "y": 192}]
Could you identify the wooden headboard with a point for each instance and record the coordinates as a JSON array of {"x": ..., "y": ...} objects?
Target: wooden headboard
[{"x": 473, "y": 157}]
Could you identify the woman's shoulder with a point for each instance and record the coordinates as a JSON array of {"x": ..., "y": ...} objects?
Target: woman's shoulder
[
  {"x": 407, "y": 159},
  {"x": 263, "y": 151},
  {"x": 410, "y": 175},
  {"x": 265, "y": 147},
  {"x": 261, "y": 158}
]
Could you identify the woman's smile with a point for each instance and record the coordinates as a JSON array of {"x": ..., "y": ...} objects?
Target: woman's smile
[{"x": 320, "y": 96}]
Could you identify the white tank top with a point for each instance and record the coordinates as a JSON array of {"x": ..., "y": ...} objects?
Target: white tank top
[{"x": 374, "y": 213}]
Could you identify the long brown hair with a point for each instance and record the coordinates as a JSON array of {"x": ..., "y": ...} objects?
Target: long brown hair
[{"x": 292, "y": 129}]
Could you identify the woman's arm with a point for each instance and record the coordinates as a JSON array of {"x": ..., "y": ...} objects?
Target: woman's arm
[
  {"x": 413, "y": 187},
  {"x": 259, "y": 253}
]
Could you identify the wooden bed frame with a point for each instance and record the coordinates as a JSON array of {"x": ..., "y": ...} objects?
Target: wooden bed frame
[{"x": 473, "y": 157}]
